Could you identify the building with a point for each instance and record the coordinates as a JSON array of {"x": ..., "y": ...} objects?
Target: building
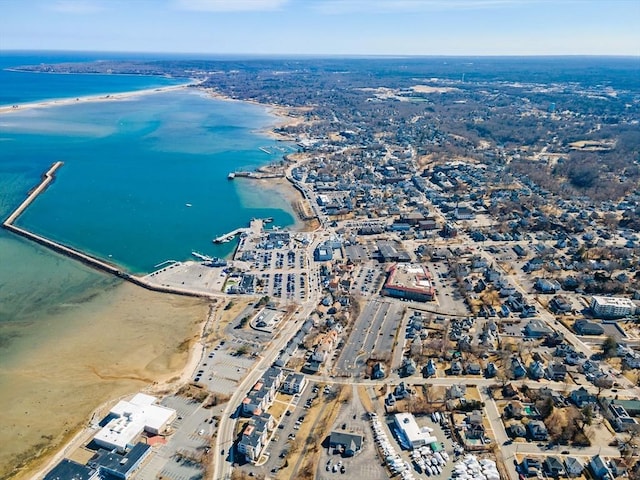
[
  {"x": 581, "y": 397},
  {"x": 573, "y": 467},
  {"x": 553, "y": 467},
  {"x": 255, "y": 437},
  {"x": 128, "y": 419},
  {"x": 537, "y": 329},
  {"x": 69, "y": 470},
  {"x": 120, "y": 465},
  {"x": 350, "y": 443},
  {"x": 409, "y": 281},
  {"x": 537, "y": 430},
  {"x": 612, "y": 307},
  {"x": 599, "y": 468},
  {"x": 556, "y": 371},
  {"x": 585, "y": 327},
  {"x": 294, "y": 383},
  {"x": 621, "y": 420},
  {"x": 410, "y": 433}
]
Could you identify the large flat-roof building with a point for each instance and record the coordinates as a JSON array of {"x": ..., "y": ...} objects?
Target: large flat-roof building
[
  {"x": 411, "y": 433},
  {"x": 409, "y": 281},
  {"x": 612, "y": 307},
  {"x": 69, "y": 470},
  {"x": 130, "y": 418}
]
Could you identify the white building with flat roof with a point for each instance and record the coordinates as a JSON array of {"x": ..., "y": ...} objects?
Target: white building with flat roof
[
  {"x": 612, "y": 307},
  {"x": 130, "y": 418},
  {"x": 411, "y": 433}
]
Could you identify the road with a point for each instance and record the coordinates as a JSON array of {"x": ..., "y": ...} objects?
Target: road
[{"x": 223, "y": 466}]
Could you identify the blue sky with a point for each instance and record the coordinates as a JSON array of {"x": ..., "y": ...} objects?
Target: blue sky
[{"x": 342, "y": 27}]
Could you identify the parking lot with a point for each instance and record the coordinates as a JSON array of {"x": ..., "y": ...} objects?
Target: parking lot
[
  {"x": 373, "y": 334},
  {"x": 221, "y": 368},
  {"x": 192, "y": 429}
]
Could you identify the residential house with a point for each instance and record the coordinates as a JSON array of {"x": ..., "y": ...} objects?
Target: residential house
[
  {"x": 537, "y": 430},
  {"x": 537, "y": 329},
  {"x": 556, "y": 371},
  {"x": 581, "y": 397},
  {"x": 517, "y": 369},
  {"x": 573, "y": 467},
  {"x": 536, "y": 370},
  {"x": 553, "y": 467},
  {"x": 600, "y": 469}
]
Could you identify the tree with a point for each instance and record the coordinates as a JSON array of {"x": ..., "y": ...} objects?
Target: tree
[{"x": 609, "y": 347}]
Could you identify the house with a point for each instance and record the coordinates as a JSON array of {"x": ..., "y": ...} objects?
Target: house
[
  {"x": 544, "y": 285},
  {"x": 536, "y": 370},
  {"x": 517, "y": 430},
  {"x": 294, "y": 383},
  {"x": 556, "y": 371},
  {"x": 430, "y": 368},
  {"x": 517, "y": 369},
  {"x": 560, "y": 304},
  {"x": 473, "y": 368},
  {"x": 350, "y": 443},
  {"x": 581, "y": 397},
  {"x": 599, "y": 468},
  {"x": 573, "y": 467},
  {"x": 537, "y": 430},
  {"x": 514, "y": 410},
  {"x": 255, "y": 436},
  {"x": 530, "y": 467},
  {"x": 456, "y": 391},
  {"x": 552, "y": 467},
  {"x": 377, "y": 372},
  {"x": 408, "y": 367},
  {"x": 490, "y": 371},
  {"x": 456, "y": 367},
  {"x": 618, "y": 467}
]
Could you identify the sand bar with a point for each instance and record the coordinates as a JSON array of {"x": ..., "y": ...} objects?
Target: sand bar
[{"x": 6, "y": 109}]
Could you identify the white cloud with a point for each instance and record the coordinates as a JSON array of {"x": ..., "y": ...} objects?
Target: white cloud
[
  {"x": 230, "y": 5},
  {"x": 77, "y": 7},
  {"x": 390, "y": 6}
]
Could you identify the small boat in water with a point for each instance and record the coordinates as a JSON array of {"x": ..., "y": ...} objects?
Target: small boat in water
[
  {"x": 231, "y": 176},
  {"x": 188, "y": 205}
]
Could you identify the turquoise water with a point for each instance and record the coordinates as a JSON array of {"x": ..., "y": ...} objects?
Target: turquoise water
[{"x": 132, "y": 168}]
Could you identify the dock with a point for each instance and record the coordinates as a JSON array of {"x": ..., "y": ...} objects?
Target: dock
[
  {"x": 47, "y": 178},
  {"x": 227, "y": 237}
]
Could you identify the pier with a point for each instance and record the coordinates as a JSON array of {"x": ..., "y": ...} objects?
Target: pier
[
  {"x": 47, "y": 179},
  {"x": 227, "y": 237}
]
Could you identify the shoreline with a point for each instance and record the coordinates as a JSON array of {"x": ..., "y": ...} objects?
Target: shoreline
[
  {"x": 39, "y": 464},
  {"x": 104, "y": 97}
]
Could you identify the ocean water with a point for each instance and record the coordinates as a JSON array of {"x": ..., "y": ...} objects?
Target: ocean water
[
  {"x": 72, "y": 337},
  {"x": 144, "y": 179}
]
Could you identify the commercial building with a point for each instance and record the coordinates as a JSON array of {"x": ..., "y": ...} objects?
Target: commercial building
[
  {"x": 128, "y": 419},
  {"x": 409, "y": 281},
  {"x": 612, "y": 307},
  {"x": 120, "y": 466},
  {"x": 69, "y": 470},
  {"x": 410, "y": 433},
  {"x": 350, "y": 443}
]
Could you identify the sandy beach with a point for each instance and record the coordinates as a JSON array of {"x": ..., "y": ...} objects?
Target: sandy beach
[
  {"x": 6, "y": 109},
  {"x": 119, "y": 342}
]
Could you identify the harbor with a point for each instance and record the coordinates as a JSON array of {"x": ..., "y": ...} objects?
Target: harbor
[{"x": 146, "y": 281}]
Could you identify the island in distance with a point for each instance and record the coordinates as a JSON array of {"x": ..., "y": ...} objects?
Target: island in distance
[{"x": 463, "y": 302}]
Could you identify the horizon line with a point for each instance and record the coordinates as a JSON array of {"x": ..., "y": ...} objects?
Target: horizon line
[{"x": 326, "y": 55}]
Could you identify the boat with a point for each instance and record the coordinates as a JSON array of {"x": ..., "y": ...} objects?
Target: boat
[
  {"x": 188, "y": 205},
  {"x": 231, "y": 176},
  {"x": 268, "y": 220}
]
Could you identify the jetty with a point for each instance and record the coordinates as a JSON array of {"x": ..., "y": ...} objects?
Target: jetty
[
  {"x": 227, "y": 237},
  {"x": 47, "y": 178}
]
